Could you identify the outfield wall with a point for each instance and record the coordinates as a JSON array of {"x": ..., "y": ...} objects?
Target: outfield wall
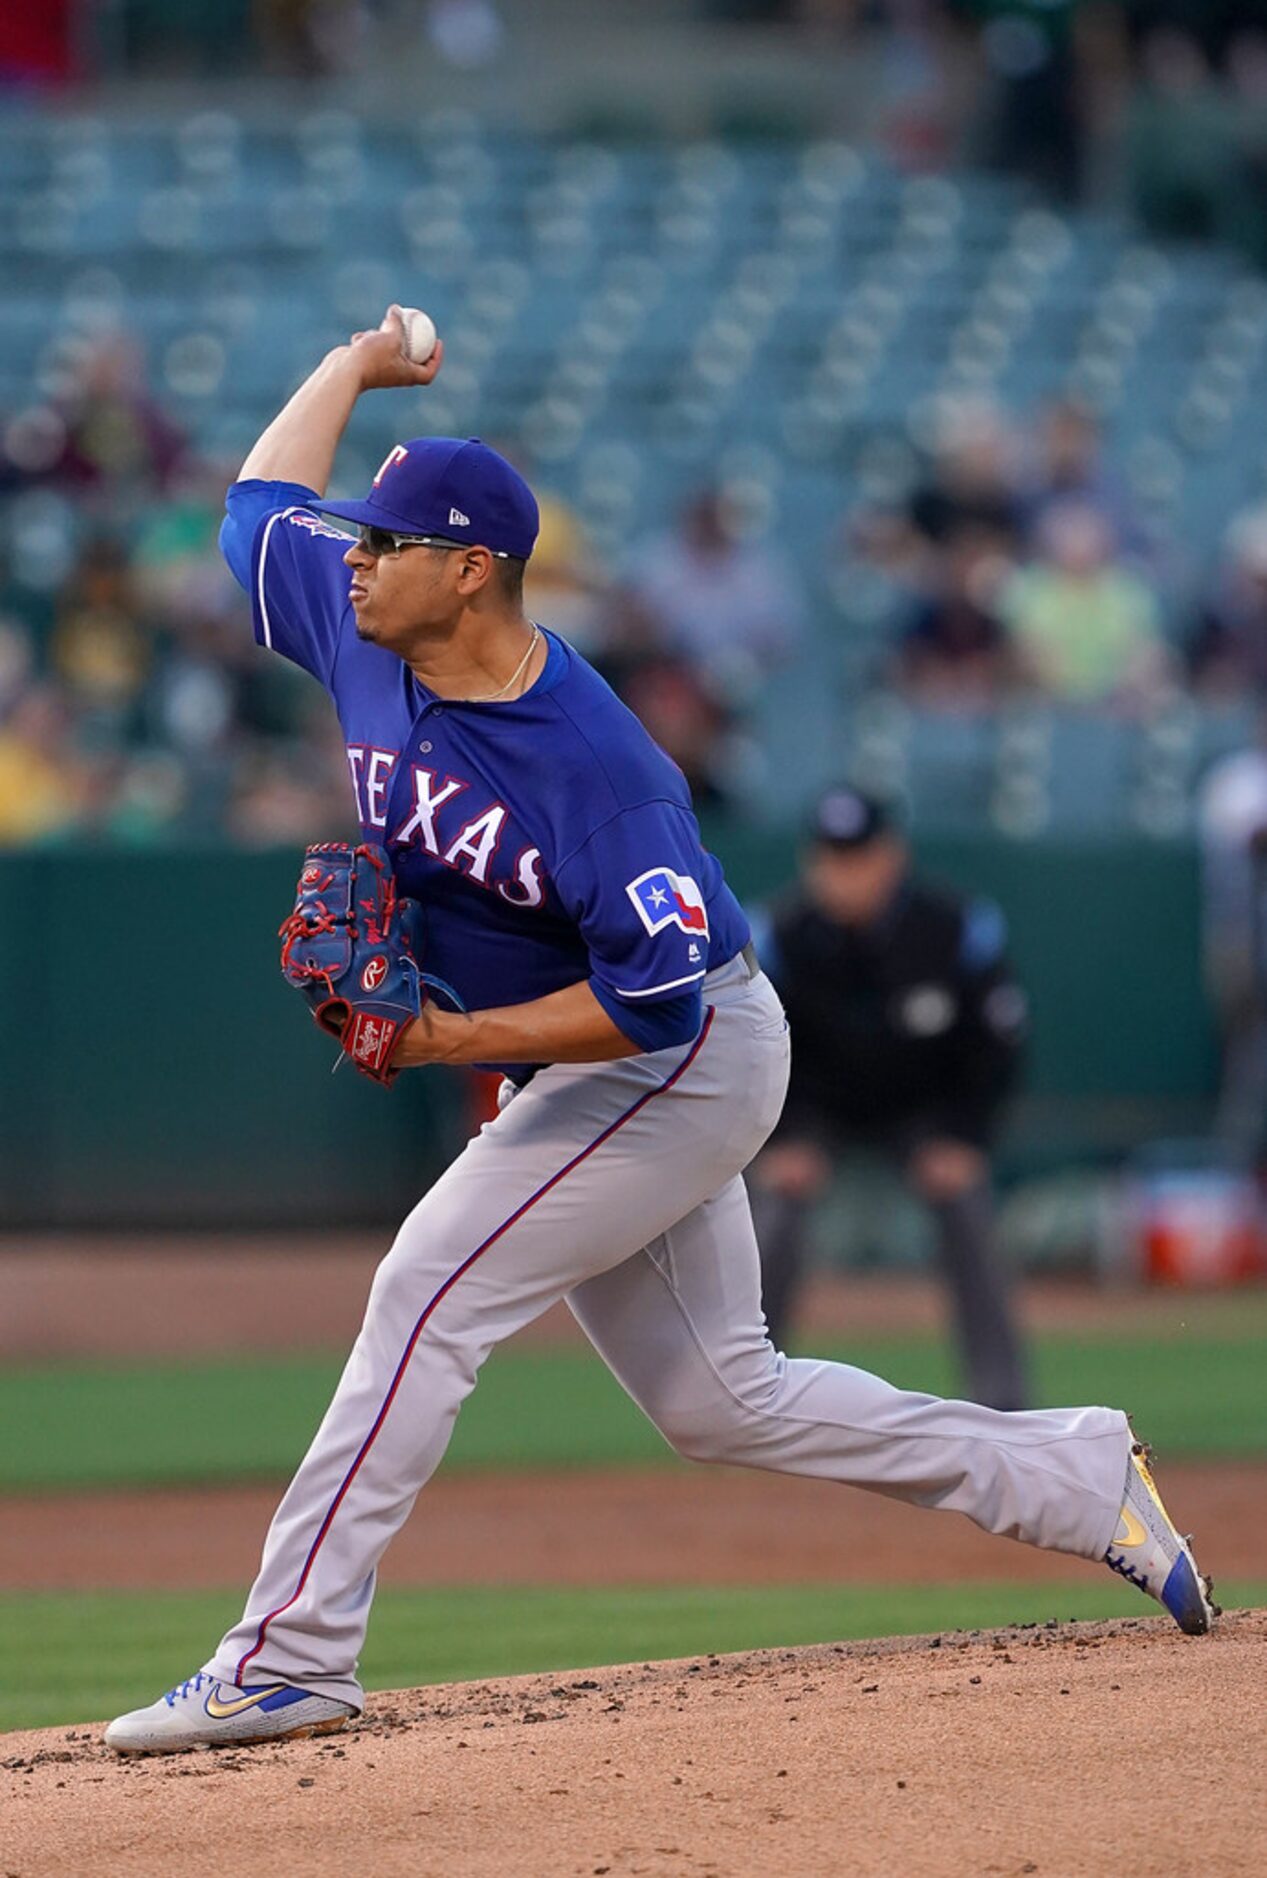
[{"x": 156, "y": 1071}]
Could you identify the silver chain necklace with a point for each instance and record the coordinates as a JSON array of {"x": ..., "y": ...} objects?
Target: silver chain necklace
[{"x": 518, "y": 672}]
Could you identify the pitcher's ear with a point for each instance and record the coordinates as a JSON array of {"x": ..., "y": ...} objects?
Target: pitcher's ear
[{"x": 475, "y": 570}]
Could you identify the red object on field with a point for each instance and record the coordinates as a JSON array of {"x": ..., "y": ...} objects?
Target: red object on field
[{"x": 1200, "y": 1228}]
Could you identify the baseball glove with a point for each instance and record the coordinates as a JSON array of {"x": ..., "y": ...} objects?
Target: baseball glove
[{"x": 346, "y": 948}]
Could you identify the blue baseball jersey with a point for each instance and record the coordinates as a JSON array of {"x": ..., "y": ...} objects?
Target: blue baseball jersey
[{"x": 547, "y": 838}]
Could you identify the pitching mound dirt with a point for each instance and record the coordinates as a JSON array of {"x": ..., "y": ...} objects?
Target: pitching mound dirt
[{"x": 1120, "y": 1749}]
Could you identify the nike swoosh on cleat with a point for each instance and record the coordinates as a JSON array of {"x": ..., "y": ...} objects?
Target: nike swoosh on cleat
[
  {"x": 1136, "y": 1532},
  {"x": 221, "y": 1711}
]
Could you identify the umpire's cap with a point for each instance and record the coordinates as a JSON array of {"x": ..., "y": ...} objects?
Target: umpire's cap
[
  {"x": 845, "y": 818},
  {"x": 454, "y": 488}
]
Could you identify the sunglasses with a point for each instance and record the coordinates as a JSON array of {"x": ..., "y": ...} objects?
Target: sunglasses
[{"x": 381, "y": 541}]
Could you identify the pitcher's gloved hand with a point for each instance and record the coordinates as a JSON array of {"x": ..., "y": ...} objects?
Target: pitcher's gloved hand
[{"x": 346, "y": 948}]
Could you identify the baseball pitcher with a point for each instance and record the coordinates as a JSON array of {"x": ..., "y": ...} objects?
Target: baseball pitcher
[{"x": 530, "y": 894}]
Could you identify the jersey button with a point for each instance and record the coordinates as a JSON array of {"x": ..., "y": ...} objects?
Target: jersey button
[
  {"x": 425, "y": 747},
  {"x": 437, "y": 710}
]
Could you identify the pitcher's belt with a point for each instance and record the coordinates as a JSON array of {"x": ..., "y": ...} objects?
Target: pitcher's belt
[{"x": 728, "y": 973}]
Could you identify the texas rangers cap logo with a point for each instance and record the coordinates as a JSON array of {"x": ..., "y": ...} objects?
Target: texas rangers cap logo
[
  {"x": 664, "y": 898},
  {"x": 395, "y": 455}
]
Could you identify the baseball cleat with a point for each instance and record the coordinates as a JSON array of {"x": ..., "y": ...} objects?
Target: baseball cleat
[
  {"x": 206, "y": 1713},
  {"x": 1148, "y": 1549}
]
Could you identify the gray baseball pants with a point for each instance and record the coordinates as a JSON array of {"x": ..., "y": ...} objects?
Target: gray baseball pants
[{"x": 617, "y": 1186}]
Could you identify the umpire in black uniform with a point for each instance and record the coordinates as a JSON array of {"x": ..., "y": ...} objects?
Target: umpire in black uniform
[{"x": 906, "y": 1030}]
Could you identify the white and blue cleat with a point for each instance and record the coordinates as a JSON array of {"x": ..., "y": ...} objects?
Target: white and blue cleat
[
  {"x": 206, "y": 1713},
  {"x": 1149, "y": 1550}
]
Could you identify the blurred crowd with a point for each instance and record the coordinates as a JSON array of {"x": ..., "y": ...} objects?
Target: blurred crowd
[
  {"x": 61, "y": 41},
  {"x": 131, "y": 699},
  {"x": 1021, "y": 564},
  {"x": 134, "y": 704},
  {"x": 1164, "y": 101}
]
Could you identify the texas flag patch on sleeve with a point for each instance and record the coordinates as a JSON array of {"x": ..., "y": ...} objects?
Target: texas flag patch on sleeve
[{"x": 664, "y": 898}]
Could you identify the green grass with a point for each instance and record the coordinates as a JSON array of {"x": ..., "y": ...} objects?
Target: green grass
[
  {"x": 249, "y": 1418},
  {"x": 68, "y": 1658}
]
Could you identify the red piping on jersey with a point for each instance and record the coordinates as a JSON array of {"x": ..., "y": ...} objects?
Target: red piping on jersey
[{"x": 443, "y": 1292}]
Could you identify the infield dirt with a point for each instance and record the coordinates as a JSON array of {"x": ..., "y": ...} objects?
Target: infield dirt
[{"x": 1077, "y": 1752}]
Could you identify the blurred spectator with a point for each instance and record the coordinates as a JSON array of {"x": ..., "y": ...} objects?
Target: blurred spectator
[
  {"x": 1246, "y": 222},
  {"x": 563, "y": 588},
  {"x": 922, "y": 86},
  {"x": 1232, "y": 821},
  {"x": 32, "y": 445},
  {"x": 145, "y": 797},
  {"x": 1035, "y": 126},
  {"x": 972, "y": 479},
  {"x": 956, "y": 653},
  {"x": 969, "y": 485},
  {"x": 308, "y": 37},
  {"x": 194, "y": 699},
  {"x": 116, "y": 436},
  {"x": 1068, "y": 464},
  {"x": 42, "y": 778},
  {"x": 206, "y": 681},
  {"x": 687, "y": 719},
  {"x": 176, "y": 559},
  {"x": 282, "y": 792},
  {"x": 17, "y": 659},
  {"x": 1227, "y": 653},
  {"x": 1088, "y": 629},
  {"x": 1180, "y": 146},
  {"x": 729, "y": 605},
  {"x": 98, "y": 650}
]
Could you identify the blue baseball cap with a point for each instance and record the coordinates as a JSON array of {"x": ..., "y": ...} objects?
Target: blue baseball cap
[{"x": 454, "y": 487}]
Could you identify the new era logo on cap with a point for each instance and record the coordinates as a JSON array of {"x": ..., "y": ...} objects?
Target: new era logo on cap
[{"x": 458, "y": 520}]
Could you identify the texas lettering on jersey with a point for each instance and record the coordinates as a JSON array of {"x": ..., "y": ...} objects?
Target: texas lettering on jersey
[{"x": 465, "y": 841}]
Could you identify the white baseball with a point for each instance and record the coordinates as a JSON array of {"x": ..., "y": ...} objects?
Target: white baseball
[{"x": 420, "y": 334}]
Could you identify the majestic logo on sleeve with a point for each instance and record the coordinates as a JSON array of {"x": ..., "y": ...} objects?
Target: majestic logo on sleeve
[
  {"x": 313, "y": 525},
  {"x": 664, "y": 898}
]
